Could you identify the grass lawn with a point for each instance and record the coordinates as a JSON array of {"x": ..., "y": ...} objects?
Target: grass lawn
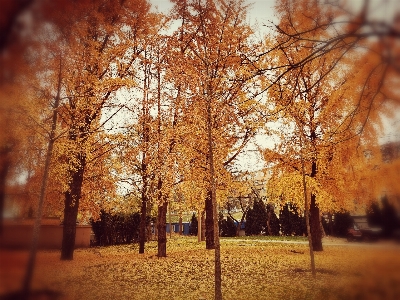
[{"x": 252, "y": 269}]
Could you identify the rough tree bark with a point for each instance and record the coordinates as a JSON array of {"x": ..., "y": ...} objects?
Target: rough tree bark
[
  {"x": 209, "y": 232},
  {"x": 268, "y": 223},
  {"x": 213, "y": 197},
  {"x": 142, "y": 225},
  {"x": 306, "y": 210},
  {"x": 199, "y": 229},
  {"x": 162, "y": 229},
  {"x": 180, "y": 225},
  {"x": 203, "y": 226},
  {"x": 315, "y": 225},
  {"x": 71, "y": 205}
]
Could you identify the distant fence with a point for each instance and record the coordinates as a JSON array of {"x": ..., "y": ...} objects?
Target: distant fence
[{"x": 18, "y": 235}]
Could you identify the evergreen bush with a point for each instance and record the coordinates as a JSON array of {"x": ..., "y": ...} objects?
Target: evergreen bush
[
  {"x": 115, "y": 229},
  {"x": 227, "y": 227},
  {"x": 193, "y": 226},
  {"x": 256, "y": 218},
  {"x": 273, "y": 221},
  {"x": 341, "y": 223},
  {"x": 291, "y": 222}
]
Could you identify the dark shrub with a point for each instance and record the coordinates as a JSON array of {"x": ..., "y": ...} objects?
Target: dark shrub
[
  {"x": 256, "y": 218},
  {"x": 273, "y": 227},
  {"x": 227, "y": 227},
  {"x": 193, "y": 227},
  {"x": 341, "y": 223},
  {"x": 291, "y": 222},
  {"x": 114, "y": 229}
]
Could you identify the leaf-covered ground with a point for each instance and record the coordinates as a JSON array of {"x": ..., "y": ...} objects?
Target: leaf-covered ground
[{"x": 252, "y": 269}]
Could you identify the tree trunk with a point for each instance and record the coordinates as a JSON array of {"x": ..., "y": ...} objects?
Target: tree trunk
[
  {"x": 156, "y": 225},
  {"x": 180, "y": 225},
  {"x": 209, "y": 222},
  {"x": 306, "y": 208},
  {"x": 71, "y": 205},
  {"x": 217, "y": 253},
  {"x": 269, "y": 223},
  {"x": 26, "y": 285},
  {"x": 309, "y": 235},
  {"x": 170, "y": 222},
  {"x": 199, "y": 231},
  {"x": 315, "y": 225},
  {"x": 203, "y": 226},
  {"x": 162, "y": 229},
  {"x": 238, "y": 226},
  {"x": 142, "y": 225},
  {"x": 214, "y": 205}
]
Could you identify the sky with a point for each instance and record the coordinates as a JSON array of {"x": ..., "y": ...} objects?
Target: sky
[{"x": 261, "y": 10}]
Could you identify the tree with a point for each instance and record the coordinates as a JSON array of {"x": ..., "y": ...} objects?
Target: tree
[
  {"x": 242, "y": 190},
  {"x": 291, "y": 222},
  {"x": 215, "y": 40},
  {"x": 150, "y": 157},
  {"x": 256, "y": 219},
  {"x": 52, "y": 136},
  {"x": 169, "y": 133},
  {"x": 342, "y": 222},
  {"x": 41, "y": 78},
  {"x": 214, "y": 72},
  {"x": 374, "y": 215},
  {"x": 384, "y": 216},
  {"x": 193, "y": 225},
  {"x": 273, "y": 226},
  {"x": 310, "y": 33},
  {"x": 390, "y": 219},
  {"x": 102, "y": 54},
  {"x": 227, "y": 226},
  {"x": 40, "y": 103},
  {"x": 116, "y": 228},
  {"x": 326, "y": 107}
]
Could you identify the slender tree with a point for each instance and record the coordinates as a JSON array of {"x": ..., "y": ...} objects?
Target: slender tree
[
  {"x": 100, "y": 55},
  {"x": 215, "y": 71},
  {"x": 328, "y": 105},
  {"x": 215, "y": 41},
  {"x": 49, "y": 151}
]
